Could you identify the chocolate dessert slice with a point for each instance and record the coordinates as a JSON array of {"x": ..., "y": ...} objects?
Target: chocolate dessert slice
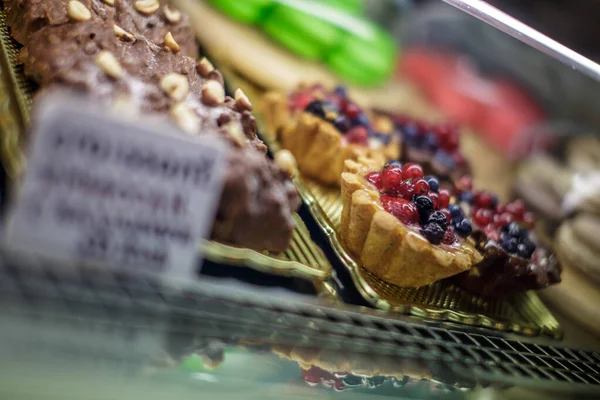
[{"x": 89, "y": 55}]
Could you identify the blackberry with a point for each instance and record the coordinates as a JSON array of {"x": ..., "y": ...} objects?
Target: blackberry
[
  {"x": 524, "y": 251},
  {"x": 438, "y": 217},
  {"x": 433, "y": 232},
  {"x": 424, "y": 206},
  {"x": 316, "y": 107}
]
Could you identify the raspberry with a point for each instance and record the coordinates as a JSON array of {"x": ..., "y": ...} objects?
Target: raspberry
[
  {"x": 412, "y": 171},
  {"x": 421, "y": 187},
  {"x": 483, "y": 217},
  {"x": 357, "y": 135},
  {"x": 491, "y": 232},
  {"x": 449, "y": 237},
  {"x": 529, "y": 220},
  {"x": 402, "y": 209},
  {"x": 391, "y": 177},
  {"x": 444, "y": 198},
  {"x": 503, "y": 219}
]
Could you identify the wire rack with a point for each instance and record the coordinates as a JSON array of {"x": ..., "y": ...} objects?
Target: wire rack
[{"x": 97, "y": 298}]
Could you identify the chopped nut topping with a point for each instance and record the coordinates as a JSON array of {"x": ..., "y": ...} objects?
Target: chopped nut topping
[
  {"x": 171, "y": 43},
  {"x": 286, "y": 160},
  {"x": 185, "y": 118},
  {"x": 242, "y": 100},
  {"x": 109, "y": 2},
  {"x": 236, "y": 133},
  {"x": 147, "y": 7},
  {"x": 212, "y": 93},
  {"x": 175, "y": 85},
  {"x": 78, "y": 12},
  {"x": 123, "y": 34},
  {"x": 173, "y": 15},
  {"x": 109, "y": 64},
  {"x": 204, "y": 67}
]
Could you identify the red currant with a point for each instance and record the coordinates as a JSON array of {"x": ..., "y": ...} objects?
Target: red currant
[
  {"x": 458, "y": 158},
  {"x": 375, "y": 179},
  {"x": 412, "y": 171},
  {"x": 516, "y": 208},
  {"x": 421, "y": 187},
  {"x": 435, "y": 199},
  {"x": 352, "y": 110},
  {"x": 465, "y": 183},
  {"x": 483, "y": 216},
  {"x": 406, "y": 211},
  {"x": 500, "y": 208},
  {"x": 492, "y": 232},
  {"x": 529, "y": 220},
  {"x": 390, "y": 178},
  {"x": 444, "y": 198},
  {"x": 484, "y": 199},
  {"x": 450, "y": 142},
  {"x": 357, "y": 135},
  {"x": 406, "y": 189},
  {"x": 503, "y": 219}
]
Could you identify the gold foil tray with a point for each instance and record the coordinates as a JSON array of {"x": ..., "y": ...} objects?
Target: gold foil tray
[
  {"x": 442, "y": 301},
  {"x": 303, "y": 259}
]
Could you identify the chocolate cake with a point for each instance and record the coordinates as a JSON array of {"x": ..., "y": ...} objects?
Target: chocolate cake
[{"x": 80, "y": 46}]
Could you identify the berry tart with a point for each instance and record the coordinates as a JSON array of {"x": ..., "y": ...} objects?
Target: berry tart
[
  {"x": 513, "y": 259},
  {"x": 323, "y": 129},
  {"x": 434, "y": 146},
  {"x": 397, "y": 222}
]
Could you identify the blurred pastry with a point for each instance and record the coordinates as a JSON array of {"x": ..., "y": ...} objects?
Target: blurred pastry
[
  {"x": 323, "y": 129},
  {"x": 399, "y": 226}
]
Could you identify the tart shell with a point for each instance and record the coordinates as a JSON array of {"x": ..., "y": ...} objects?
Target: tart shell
[
  {"x": 316, "y": 144},
  {"x": 387, "y": 248}
]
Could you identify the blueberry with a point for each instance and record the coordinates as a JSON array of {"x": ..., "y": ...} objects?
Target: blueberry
[
  {"x": 433, "y": 232},
  {"x": 438, "y": 217},
  {"x": 352, "y": 381},
  {"x": 424, "y": 205},
  {"x": 342, "y": 123},
  {"x": 524, "y": 251},
  {"x": 515, "y": 230},
  {"x": 463, "y": 227},
  {"x": 341, "y": 91},
  {"x": 373, "y": 382},
  {"x": 363, "y": 120},
  {"x": 410, "y": 133},
  {"x": 384, "y": 138},
  {"x": 430, "y": 142},
  {"x": 445, "y": 158},
  {"x": 393, "y": 162},
  {"x": 434, "y": 183},
  {"x": 467, "y": 197},
  {"x": 510, "y": 245},
  {"x": 455, "y": 210}
]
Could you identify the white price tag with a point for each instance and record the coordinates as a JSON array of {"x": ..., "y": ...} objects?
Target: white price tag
[{"x": 114, "y": 192}]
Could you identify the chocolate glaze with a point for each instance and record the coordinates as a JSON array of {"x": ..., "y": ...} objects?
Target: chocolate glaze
[
  {"x": 500, "y": 273},
  {"x": 258, "y": 199},
  {"x": 26, "y": 17}
]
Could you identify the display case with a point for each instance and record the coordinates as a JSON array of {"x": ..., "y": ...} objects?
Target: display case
[{"x": 407, "y": 207}]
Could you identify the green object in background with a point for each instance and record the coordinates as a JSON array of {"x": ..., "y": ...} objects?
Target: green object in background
[
  {"x": 306, "y": 35},
  {"x": 245, "y": 11},
  {"x": 332, "y": 31},
  {"x": 192, "y": 363}
]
